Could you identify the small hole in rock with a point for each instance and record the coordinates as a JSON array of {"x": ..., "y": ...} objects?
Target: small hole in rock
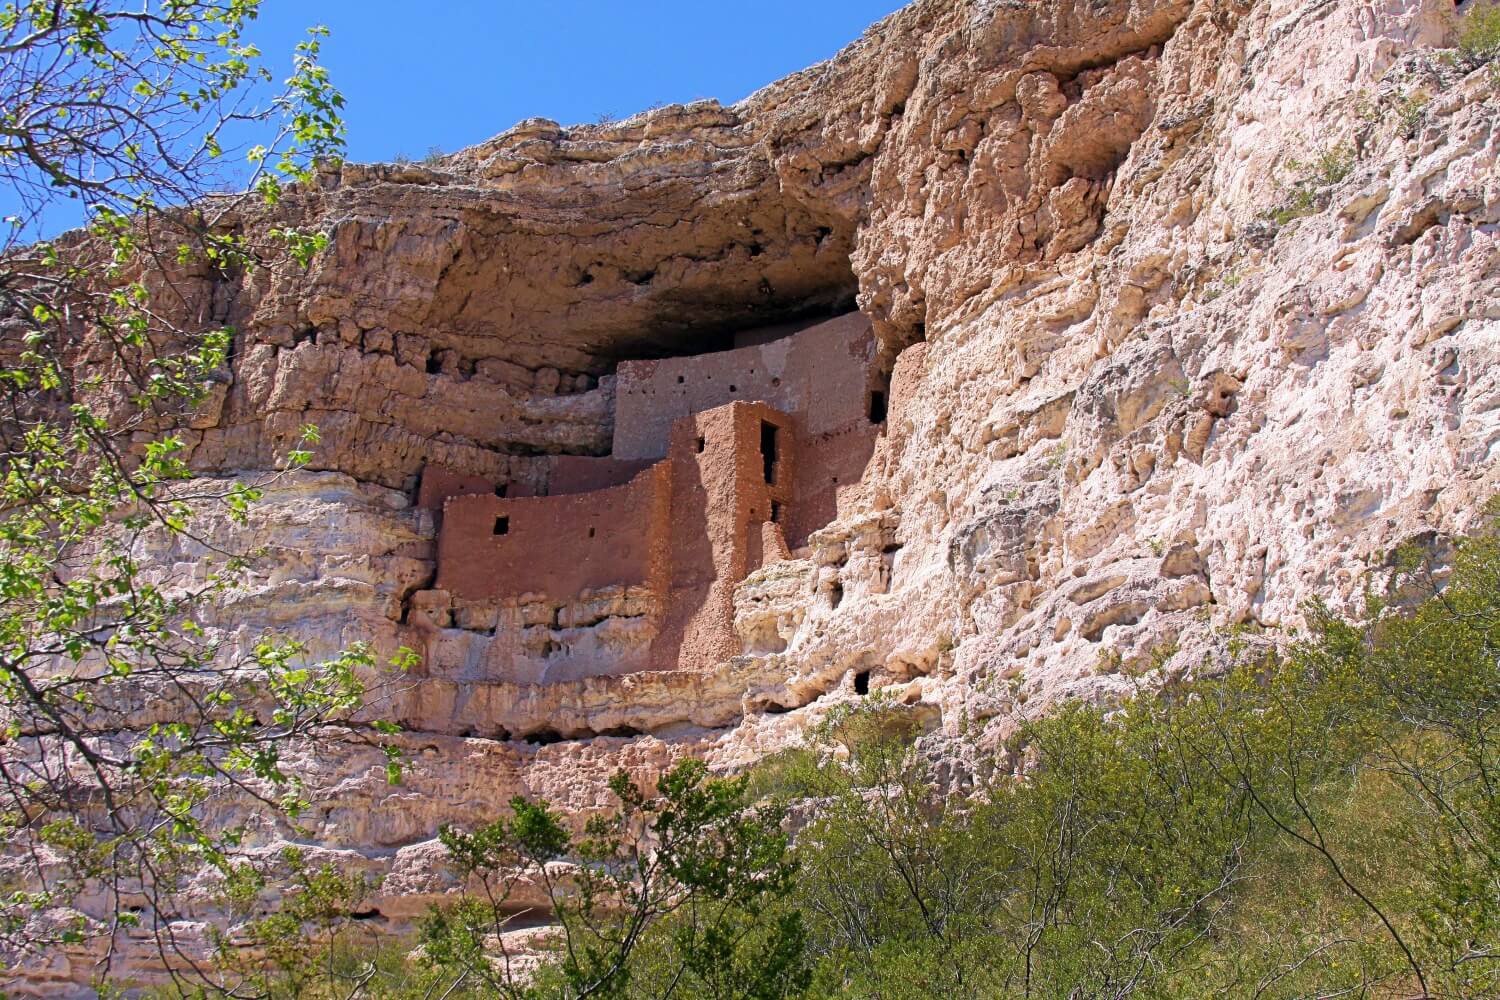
[
  {"x": 681, "y": 379},
  {"x": 862, "y": 682},
  {"x": 836, "y": 595},
  {"x": 877, "y": 407},
  {"x": 698, "y": 446}
]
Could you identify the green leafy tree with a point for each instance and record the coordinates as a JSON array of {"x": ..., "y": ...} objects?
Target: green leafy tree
[
  {"x": 672, "y": 895},
  {"x": 131, "y": 736},
  {"x": 309, "y": 945},
  {"x": 1479, "y": 33}
]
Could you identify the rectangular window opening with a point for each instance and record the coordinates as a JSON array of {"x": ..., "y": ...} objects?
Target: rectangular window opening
[
  {"x": 501, "y": 490},
  {"x": 775, "y": 512},
  {"x": 698, "y": 446},
  {"x": 768, "y": 450},
  {"x": 877, "y": 406},
  {"x": 502, "y": 525}
]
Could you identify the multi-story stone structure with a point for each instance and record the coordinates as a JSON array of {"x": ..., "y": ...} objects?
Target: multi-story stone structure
[{"x": 721, "y": 463}]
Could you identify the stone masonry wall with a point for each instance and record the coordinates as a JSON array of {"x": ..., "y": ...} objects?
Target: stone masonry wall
[
  {"x": 822, "y": 374},
  {"x": 556, "y": 546}
]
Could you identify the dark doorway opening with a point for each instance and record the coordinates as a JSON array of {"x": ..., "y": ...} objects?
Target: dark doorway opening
[
  {"x": 502, "y": 525},
  {"x": 768, "y": 450},
  {"x": 877, "y": 406},
  {"x": 862, "y": 682}
]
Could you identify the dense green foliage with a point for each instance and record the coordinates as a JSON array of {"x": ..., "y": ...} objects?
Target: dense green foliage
[
  {"x": 682, "y": 878},
  {"x": 1479, "y": 33},
  {"x": 1320, "y": 819}
]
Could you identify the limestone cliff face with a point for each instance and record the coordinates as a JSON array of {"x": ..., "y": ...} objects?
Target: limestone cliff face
[{"x": 1191, "y": 310}]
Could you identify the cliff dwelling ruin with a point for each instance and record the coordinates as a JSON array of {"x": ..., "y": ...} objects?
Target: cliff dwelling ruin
[{"x": 720, "y": 464}]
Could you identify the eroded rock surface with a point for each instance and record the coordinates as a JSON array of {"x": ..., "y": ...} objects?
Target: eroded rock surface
[{"x": 1140, "y": 386}]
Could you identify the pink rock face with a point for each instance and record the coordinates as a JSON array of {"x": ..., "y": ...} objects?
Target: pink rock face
[{"x": 1133, "y": 392}]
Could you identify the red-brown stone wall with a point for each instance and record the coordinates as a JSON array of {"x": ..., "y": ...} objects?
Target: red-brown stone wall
[
  {"x": 684, "y": 508},
  {"x": 583, "y": 474},
  {"x": 555, "y": 546},
  {"x": 719, "y": 502},
  {"x": 440, "y": 482},
  {"x": 827, "y": 464}
]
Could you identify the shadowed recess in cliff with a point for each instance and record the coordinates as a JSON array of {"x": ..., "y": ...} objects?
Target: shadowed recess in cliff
[{"x": 636, "y": 290}]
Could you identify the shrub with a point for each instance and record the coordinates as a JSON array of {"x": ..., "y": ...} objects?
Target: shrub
[
  {"x": 1479, "y": 33},
  {"x": 676, "y": 888},
  {"x": 1410, "y": 114}
]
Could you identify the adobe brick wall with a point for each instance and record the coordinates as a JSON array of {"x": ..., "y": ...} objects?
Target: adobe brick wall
[
  {"x": 821, "y": 374},
  {"x": 563, "y": 474},
  {"x": 686, "y": 508},
  {"x": 828, "y": 464},
  {"x": 687, "y": 529},
  {"x": 720, "y": 499},
  {"x": 582, "y": 474},
  {"x": 555, "y": 546},
  {"x": 440, "y": 482}
]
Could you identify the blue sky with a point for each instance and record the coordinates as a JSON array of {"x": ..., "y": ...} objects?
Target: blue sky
[
  {"x": 420, "y": 75},
  {"x": 450, "y": 73}
]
